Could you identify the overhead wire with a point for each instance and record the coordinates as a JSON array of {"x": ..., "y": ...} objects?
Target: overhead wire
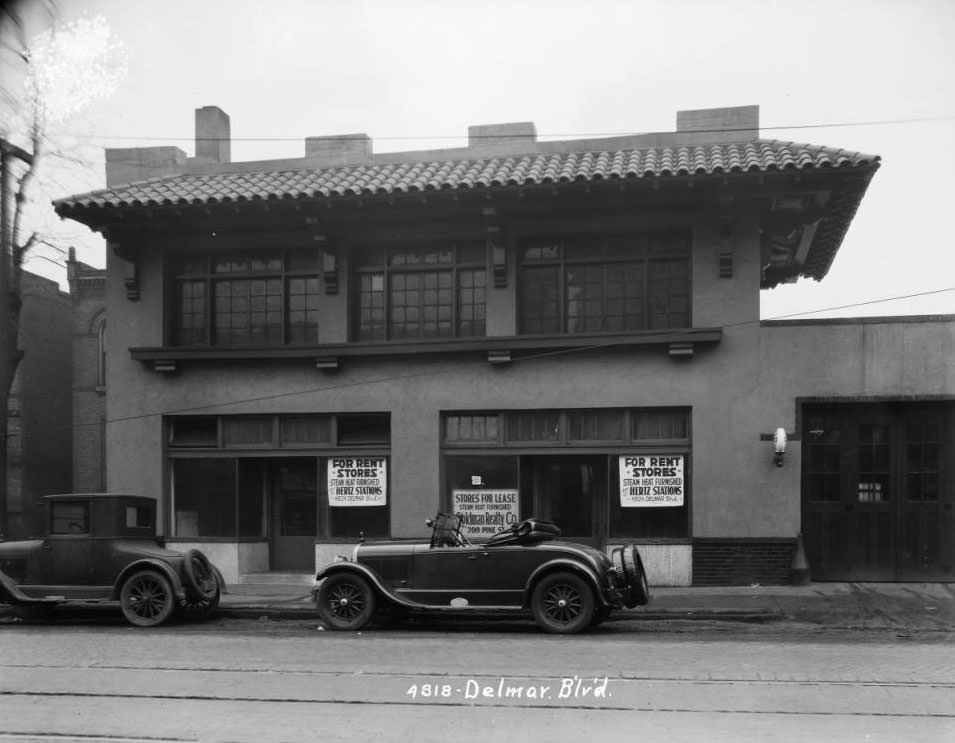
[{"x": 573, "y": 135}]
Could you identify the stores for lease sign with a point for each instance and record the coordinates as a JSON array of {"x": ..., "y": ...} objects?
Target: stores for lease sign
[
  {"x": 652, "y": 480},
  {"x": 486, "y": 512}
]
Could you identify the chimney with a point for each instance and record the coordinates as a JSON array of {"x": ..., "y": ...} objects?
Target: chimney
[
  {"x": 513, "y": 137},
  {"x": 340, "y": 149},
  {"x": 735, "y": 124},
  {"x": 131, "y": 164},
  {"x": 213, "y": 135}
]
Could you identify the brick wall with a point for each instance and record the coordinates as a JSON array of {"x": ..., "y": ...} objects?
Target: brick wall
[
  {"x": 39, "y": 426},
  {"x": 88, "y": 294},
  {"x": 737, "y": 562}
]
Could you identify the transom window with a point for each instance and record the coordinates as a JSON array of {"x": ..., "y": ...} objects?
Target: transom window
[
  {"x": 252, "y": 298},
  {"x": 650, "y": 426},
  {"x": 605, "y": 283},
  {"x": 437, "y": 291}
]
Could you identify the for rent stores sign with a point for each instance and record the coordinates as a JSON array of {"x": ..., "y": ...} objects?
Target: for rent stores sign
[
  {"x": 357, "y": 481},
  {"x": 651, "y": 480}
]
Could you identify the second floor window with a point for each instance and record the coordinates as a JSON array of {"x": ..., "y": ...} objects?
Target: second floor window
[
  {"x": 611, "y": 283},
  {"x": 253, "y": 298},
  {"x": 436, "y": 291}
]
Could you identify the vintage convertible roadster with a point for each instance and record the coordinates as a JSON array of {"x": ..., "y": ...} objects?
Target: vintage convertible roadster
[
  {"x": 102, "y": 547},
  {"x": 567, "y": 587}
]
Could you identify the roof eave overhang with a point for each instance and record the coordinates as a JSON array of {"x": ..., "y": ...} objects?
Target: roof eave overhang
[
  {"x": 101, "y": 217},
  {"x": 821, "y": 235}
]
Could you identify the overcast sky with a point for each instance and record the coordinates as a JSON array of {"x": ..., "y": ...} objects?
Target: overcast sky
[{"x": 876, "y": 76}]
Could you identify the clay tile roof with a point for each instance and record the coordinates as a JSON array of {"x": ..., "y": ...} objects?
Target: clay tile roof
[{"x": 761, "y": 155}]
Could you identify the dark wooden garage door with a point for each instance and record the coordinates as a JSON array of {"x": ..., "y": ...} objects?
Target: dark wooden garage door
[{"x": 878, "y": 491}]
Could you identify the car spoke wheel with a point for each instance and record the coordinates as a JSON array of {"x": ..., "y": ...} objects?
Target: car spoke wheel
[
  {"x": 147, "y": 599},
  {"x": 563, "y": 603},
  {"x": 345, "y": 602},
  {"x": 200, "y": 577}
]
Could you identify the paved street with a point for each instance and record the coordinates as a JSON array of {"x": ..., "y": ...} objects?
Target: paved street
[{"x": 288, "y": 680}]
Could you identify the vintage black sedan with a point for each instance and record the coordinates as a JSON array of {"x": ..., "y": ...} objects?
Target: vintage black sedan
[
  {"x": 103, "y": 547},
  {"x": 567, "y": 587}
]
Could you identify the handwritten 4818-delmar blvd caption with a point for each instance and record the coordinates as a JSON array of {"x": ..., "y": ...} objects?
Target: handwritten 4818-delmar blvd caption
[{"x": 569, "y": 688}]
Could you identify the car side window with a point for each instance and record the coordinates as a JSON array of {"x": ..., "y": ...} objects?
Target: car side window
[
  {"x": 139, "y": 517},
  {"x": 70, "y": 517}
]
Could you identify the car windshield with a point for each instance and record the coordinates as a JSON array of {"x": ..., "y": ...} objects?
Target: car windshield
[{"x": 447, "y": 531}]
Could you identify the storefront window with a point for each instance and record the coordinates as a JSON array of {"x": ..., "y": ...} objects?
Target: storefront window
[
  {"x": 252, "y": 484},
  {"x": 649, "y": 520},
  {"x": 481, "y": 472},
  {"x": 565, "y": 490},
  {"x": 204, "y": 497},
  {"x": 255, "y": 494},
  {"x": 485, "y": 491},
  {"x": 577, "y": 482}
]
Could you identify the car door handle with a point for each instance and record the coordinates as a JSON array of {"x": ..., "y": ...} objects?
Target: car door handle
[{"x": 472, "y": 557}]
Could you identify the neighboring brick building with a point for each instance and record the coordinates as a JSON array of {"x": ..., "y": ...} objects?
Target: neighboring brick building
[
  {"x": 39, "y": 424},
  {"x": 309, "y": 351},
  {"x": 88, "y": 295}
]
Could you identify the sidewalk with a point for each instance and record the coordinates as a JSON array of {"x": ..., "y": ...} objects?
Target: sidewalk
[{"x": 911, "y": 606}]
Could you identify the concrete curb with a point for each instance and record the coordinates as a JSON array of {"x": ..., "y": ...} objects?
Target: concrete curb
[{"x": 272, "y": 611}]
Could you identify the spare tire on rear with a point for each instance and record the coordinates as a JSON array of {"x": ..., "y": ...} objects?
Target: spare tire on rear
[
  {"x": 635, "y": 575},
  {"x": 200, "y": 578}
]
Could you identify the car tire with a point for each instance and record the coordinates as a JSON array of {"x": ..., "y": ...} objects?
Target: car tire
[
  {"x": 600, "y": 615},
  {"x": 345, "y": 601},
  {"x": 147, "y": 599},
  {"x": 635, "y": 576},
  {"x": 563, "y": 603},
  {"x": 196, "y": 608},
  {"x": 391, "y": 615},
  {"x": 200, "y": 578}
]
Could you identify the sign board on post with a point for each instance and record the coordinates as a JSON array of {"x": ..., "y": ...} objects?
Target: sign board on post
[
  {"x": 486, "y": 512},
  {"x": 651, "y": 480},
  {"x": 357, "y": 481}
]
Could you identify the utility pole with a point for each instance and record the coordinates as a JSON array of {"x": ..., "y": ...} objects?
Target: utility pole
[{"x": 8, "y": 335}]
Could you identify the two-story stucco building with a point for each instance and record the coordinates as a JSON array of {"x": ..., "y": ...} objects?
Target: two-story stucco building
[{"x": 305, "y": 352}]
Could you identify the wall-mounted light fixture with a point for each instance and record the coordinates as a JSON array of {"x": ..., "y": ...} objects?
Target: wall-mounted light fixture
[{"x": 779, "y": 444}]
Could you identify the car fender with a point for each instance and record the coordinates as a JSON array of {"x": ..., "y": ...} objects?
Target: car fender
[
  {"x": 9, "y": 592},
  {"x": 366, "y": 573},
  {"x": 150, "y": 564},
  {"x": 563, "y": 563}
]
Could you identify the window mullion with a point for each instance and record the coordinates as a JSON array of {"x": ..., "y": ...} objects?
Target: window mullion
[
  {"x": 286, "y": 304},
  {"x": 562, "y": 294},
  {"x": 210, "y": 306},
  {"x": 386, "y": 299},
  {"x": 455, "y": 296}
]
